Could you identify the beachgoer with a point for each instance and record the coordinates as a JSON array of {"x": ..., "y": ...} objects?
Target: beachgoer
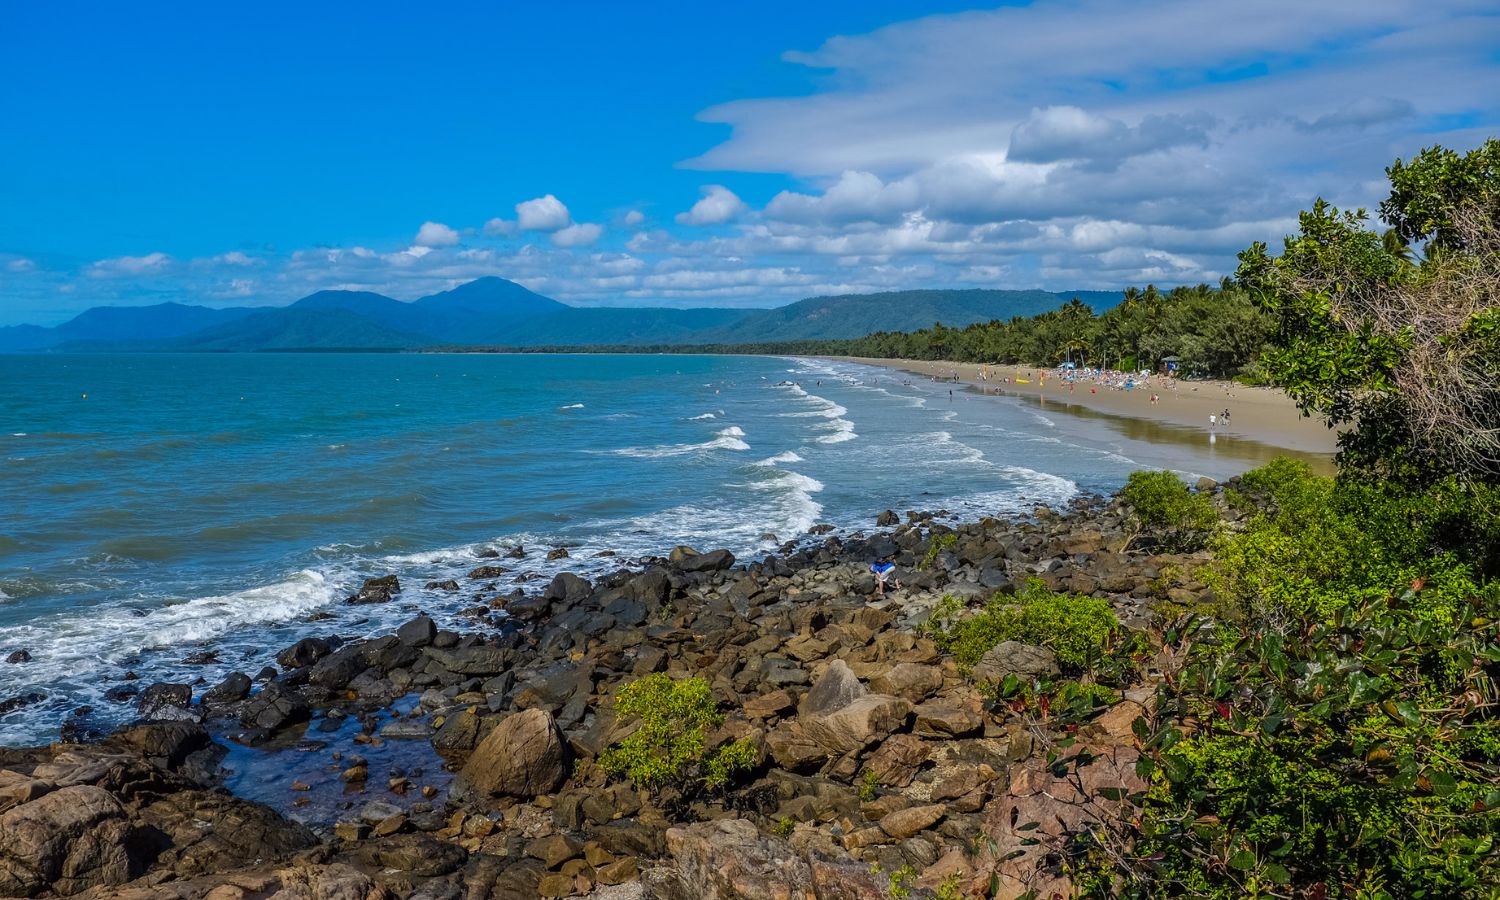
[
  {"x": 1212, "y": 420},
  {"x": 1224, "y": 417},
  {"x": 883, "y": 569}
]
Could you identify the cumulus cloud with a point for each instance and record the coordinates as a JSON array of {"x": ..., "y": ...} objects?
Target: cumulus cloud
[
  {"x": 435, "y": 234},
  {"x": 20, "y": 264},
  {"x": 546, "y": 213},
  {"x": 498, "y": 227},
  {"x": 717, "y": 206},
  {"x": 634, "y": 218},
  {"x": 580, "y": 235}
]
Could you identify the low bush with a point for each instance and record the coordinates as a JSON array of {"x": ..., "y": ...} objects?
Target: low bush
[
  {"x": 1322, "y": 544},
  {"x": 670, "y": 746},
  {"x": 1174, "y": 517},
  {"x": 1078, "y": 629},
  {"x": 1358, "y": 757}
]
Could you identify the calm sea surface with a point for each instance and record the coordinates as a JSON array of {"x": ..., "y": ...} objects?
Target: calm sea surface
[{"x": 155, "y": 506}]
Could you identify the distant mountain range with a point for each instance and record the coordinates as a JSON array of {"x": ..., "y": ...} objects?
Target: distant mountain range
[{"x": 494, "y": 312}]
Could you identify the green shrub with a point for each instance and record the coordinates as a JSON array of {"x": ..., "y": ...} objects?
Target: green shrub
[
  {"x": 936, "y": 545},
  {"x": 1328, "y": 758},
  {"x": 1322, "y": 544},
  {"x": 670, "y": 746},
  {"x": 1175, "y": 517},
  {"x": 1078, "y": 629}
]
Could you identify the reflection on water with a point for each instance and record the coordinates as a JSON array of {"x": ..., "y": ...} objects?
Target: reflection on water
[{"x": 1231, "y": 453}]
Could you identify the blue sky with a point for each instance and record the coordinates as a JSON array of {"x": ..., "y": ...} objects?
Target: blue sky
[{"x": 697, "y": 154}]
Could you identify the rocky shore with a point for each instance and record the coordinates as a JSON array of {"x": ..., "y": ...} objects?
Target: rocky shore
[{"x": 431, "y": 764}]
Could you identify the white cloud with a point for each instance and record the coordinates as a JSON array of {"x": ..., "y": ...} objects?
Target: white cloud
[
  {"x": 130, "y": 265},
  {"x": 498, "y": 227},
  {"x": 546, "y": 213},
  {"x": 634, "y": 218},
  {"x": 20, "y": 264},
  {"x": 717, "y": 206},
  {"x": 580, "y": 235},
  {"x": 435, "y": 234}
]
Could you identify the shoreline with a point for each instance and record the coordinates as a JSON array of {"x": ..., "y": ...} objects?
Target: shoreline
[
  {"x": 1262, "y": 415},
  {"x": 429, "y": 758}
]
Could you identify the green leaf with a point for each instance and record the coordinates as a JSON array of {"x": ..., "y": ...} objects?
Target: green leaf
[
  {"x": 1244, "y": 860},
  {"x": 1443, "y": 784},
  {"x": 1277, "y": 873}
]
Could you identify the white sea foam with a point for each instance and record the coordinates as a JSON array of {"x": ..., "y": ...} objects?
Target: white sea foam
[
  {"x": 572, "y": 406},
  {"x": 724, "y": 439},
  {"x": 786, "y": 456},
  {"x": 707, "y": 415},
  {"x": 840, "y": 430}
]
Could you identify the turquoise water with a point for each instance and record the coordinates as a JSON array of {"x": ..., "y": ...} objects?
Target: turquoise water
[{"x": 154, "y": 506}]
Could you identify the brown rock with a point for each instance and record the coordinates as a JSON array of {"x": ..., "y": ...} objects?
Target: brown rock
[
  {"x": 69, "y": 840},
  {"x": 523, "y": 756},
  {"x": 856, "y": 726},
  {"x": 937, "y": 720},
  {"x": 730, "y": 859},
  {"x": 910, "y": 681},
  {"x": 554, "y": 850},
  {"x": 1060, "y": 807},
  {"x": 903, "y": 823},
  {"x": 620, "y": 871},
  {"x": 897, "y": 761},
  {"x": 791, "y": 747},
  {"x": 767, "y": 705}
]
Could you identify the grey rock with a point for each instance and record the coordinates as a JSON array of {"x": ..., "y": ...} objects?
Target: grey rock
[{"x": 1015, "y": 658}]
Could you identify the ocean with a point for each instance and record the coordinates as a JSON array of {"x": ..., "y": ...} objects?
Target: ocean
[{"x": 153, "y": 507}]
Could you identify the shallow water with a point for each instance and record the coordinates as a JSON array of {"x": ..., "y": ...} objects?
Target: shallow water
[{"x": 154, "y": 506}]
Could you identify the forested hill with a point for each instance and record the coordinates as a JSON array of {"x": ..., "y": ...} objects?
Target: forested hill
[
  {"x": 857, "y": 315},
  {"x": 493, "y": 311}
]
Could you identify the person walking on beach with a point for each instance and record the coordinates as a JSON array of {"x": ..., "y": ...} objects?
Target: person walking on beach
[
  {"x": 1224, "y": 416},
  {"x": 1212, "y": 420}
]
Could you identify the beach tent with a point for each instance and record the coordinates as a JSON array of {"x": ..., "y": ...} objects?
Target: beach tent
[{"x": 1170, "y": 362}]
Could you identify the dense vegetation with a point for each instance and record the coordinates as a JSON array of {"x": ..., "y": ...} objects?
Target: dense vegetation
[
  {"x": 1210, "y": 331},
  {"x": 1335, "y": 733}
]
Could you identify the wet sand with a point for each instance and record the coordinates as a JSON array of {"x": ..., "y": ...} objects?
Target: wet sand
[{"x": 1265, "y": 422}]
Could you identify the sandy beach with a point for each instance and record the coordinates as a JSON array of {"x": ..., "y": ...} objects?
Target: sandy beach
[{"x": 1264, "y": 415}]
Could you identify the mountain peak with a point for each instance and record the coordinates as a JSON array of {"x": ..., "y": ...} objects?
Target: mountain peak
[{"x": 492, "y": 295}]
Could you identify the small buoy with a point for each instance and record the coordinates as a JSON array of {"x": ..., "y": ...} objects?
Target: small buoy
[{"x": 85, "y": 396}]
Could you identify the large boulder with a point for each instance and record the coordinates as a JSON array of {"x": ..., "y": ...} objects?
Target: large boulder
[
  {"x": 911, "y": 681},
  {"x": 304, "y": 653},
  {"x": 472, "y": 660},
  {"x": 837, "y": 688},
  {"x": 419, "y": 632},
  {"x": 567, "y": 587},
  {"x": 234, "y": 687},
  {"x": 524, "y": 756},
  {"x": 730, "y": 860},
  {"x": 651, "y": 587},
  {"x": 712, "y": 561},
  {"x": 274, "y": 707},
  {"x": 377, "y": 590},
  {"x": 1025, "y": 661},
  {"x": 66, "y": 841},
  {"x": 866, "y": 721},
  {"x": 166, "y": 702}
]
